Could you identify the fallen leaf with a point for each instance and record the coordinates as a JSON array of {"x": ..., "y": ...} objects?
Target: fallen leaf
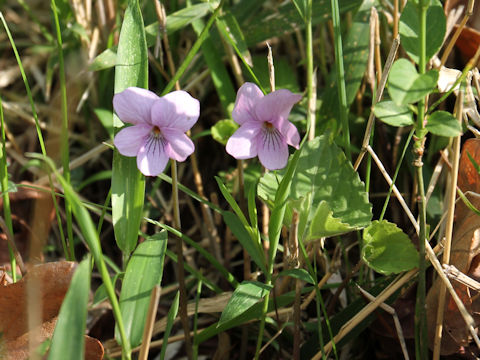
[
  {"x": 465, "y": 249},
  {"x": 39, "y": 294}
]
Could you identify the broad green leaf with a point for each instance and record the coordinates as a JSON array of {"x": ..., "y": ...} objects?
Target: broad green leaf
[
  {"x": 387, "y": 249},
  {"x": 172, "y": 314},
  {"x": 245, "y": 238},
  {"x": 406, "y": 85},
  {"x": 128, "y": 184},
  {"x": 409, "y": 29},
  {"x": 300, "y": 274},
  {"x": 247, "y": 294},
  {"x": 323, "y": 175},
  {"x": 325, "y": 224},
  {"x": 105, "y": 60},
  {"x": 393, "y": 114},
  {"x": 355, "y": 53},
  {"x": 144, "y": 271},
  {"x": 443, "y": 123},
  {"x": 69, "y": 335}
]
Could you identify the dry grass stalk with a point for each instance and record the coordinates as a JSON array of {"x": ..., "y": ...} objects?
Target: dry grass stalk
[{"x": 448, "y": 231}]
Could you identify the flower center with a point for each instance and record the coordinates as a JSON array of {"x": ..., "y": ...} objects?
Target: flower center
[
  {"x": 271, "y": 137},
  {"x": 156, "y": 141},
  {"x": 156, "y": 132}
]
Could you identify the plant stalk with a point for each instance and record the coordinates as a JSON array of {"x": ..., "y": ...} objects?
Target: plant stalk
[{"x": 421, "y": 341}]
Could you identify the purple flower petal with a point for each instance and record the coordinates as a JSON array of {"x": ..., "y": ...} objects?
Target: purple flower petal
[
  {"x": 247, "y": 96},
  {"x": 179, "y": 145},
  {"x": 276, "y": 106},
  {"x": 130, "y": 139},
  {"x": 289, "y": 132},
  {"x": 133, "y": 105},
  {"x": 242, "y": 144},
  {"x": 176, "y": 110},
  {"x": 272, "y": 149},
  {"x": 152, "y": 157}
]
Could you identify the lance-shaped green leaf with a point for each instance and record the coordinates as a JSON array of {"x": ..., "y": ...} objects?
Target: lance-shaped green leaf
[
  {"x": 410, "y": 29},
  {"x": 443, "y": 123},
  {"x": 387, "y": 249},
  {"x": 144, "y": 271},
  {"x": 128, "y": 184},
  {"x": 406, "y": 85},
  {"x": 69, "y": 335},
  {"x": 247, "y": 294},
  {"x": 326, "y": 191}
]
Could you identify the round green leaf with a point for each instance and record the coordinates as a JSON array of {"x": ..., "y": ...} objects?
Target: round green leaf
[
  {"x": 223, "y": 129},
  {"x": 443, "y": 123},
  {"x": 410, "y": 29},
  {"x": 406, "y": 86},
  {"x": 387, "y": 249},
  {"x": 393, "y": 114}
]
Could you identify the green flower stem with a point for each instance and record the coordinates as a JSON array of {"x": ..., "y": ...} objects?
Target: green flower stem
[
  {"x": 421, "y": 341},
  {"x": 340, "y": 71},
  {"x": 180, "y": 269},
  {"x": 6, "y": 198},
  {"x": 262, "y": 321},
  {"x": 310, "y": 87},
  {"x": 64, "y": 134}
]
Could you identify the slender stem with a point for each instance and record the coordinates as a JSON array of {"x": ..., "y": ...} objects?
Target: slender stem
[
  {"x": 180, "y": 269},
  {"x": 310, "y": 80},
  {"x": 448, "y": 231},
  {"x": 262, "y": 321},
  {"x": 162, "y": 18},
  {"x": 64, "y": 133},
  {"x": 340, "y": 72},
  {"x": 5, "y": 194},
  {"x": 421, "y": 342}
]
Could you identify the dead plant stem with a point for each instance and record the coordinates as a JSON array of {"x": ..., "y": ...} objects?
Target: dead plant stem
[{"x": 448, "y": 232}]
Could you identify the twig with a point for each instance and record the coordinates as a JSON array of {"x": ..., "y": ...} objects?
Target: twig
[
  {"x": 448, "y": 232},
  {"x": 148, "y": 330},
  {"x": 453, "y": 273},
  {"x": 392, "y": 312},
  {"x": 381, "y": 87}
]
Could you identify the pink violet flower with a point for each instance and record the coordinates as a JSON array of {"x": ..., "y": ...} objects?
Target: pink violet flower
[
  {"x": 159, "y": 126},
  {"x": 264, "y": 127}
]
